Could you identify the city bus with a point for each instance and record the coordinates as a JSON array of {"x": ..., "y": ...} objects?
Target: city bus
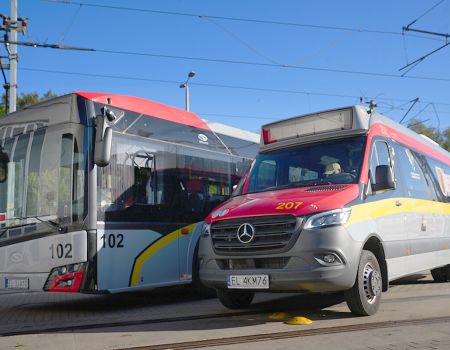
[
  {"x": 343, "y": 200},
  {"x": 104, "y": 193}
]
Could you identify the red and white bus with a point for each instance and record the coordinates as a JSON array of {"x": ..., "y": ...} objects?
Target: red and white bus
[
  {"x": 104, "y": 193},
  {"x": 341, "y": 200}
]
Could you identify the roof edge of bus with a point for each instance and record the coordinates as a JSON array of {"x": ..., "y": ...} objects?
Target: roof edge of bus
[
  {"x": 353, "y": 107},
  {"x": 374, "y": 118},
  {"x": 145, "y": 106},
  {"x": 385, "y": 120},
  {"x": 232, "y": 131},
  {"x": 62, "y": 102}
]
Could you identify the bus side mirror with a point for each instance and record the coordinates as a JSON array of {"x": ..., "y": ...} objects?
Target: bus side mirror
[
  {"x": 103, "y": 141},
  {"x": 384, "y": 179},
  {"x": 4, "y": 160}
]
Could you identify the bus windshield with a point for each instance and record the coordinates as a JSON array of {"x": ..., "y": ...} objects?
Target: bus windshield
[
  {"x": 44, "y": 187},
  {"x": 331, "y": 162}
]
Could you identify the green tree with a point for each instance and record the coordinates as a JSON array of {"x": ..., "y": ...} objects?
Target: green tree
[
  {"x": 27, "y": 99},
  {"x": 442, "y": 137}
]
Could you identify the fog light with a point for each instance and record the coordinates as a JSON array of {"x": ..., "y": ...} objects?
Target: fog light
[{"x": 329, "y": 258}]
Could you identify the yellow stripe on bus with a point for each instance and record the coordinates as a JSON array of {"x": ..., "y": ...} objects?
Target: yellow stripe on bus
[
  {"x": 385, "y": 207},
  {"x": 152, "y": 249}
]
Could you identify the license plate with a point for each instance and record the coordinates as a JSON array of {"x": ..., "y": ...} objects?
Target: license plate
[
  {"x": 17, "y": 283},
  {"x": 248, "y": 281}
]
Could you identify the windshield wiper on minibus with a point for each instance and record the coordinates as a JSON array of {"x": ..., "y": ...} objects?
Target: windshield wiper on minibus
[
  {"x": 50, "y": 223},
  {"x": 316, "y": 183}
]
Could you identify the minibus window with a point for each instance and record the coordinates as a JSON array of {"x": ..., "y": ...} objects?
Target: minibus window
[
  {"x": 380, "y": 156},
  {"x": 413, "y": 178}
]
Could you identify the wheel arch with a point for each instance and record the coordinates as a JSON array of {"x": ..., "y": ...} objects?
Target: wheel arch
[{"x": 375, "y": 245}]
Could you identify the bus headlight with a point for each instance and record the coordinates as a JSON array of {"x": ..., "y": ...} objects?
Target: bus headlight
[
  {"x": 329, "y": 218},
  {"x": 206, "y": 229}
]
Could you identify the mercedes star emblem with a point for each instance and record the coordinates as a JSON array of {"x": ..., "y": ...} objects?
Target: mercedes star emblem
[{"x": 245, "y": 233}]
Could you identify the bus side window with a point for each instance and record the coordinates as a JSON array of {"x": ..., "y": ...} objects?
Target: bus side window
[
  {"x": 413, "y": 179},
  {"x": 144, "y": 178},
  {"x": 380, "y": 155},
  {"x": 439, "y": 175}
]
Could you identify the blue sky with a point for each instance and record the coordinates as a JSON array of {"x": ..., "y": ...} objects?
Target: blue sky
[{"x": 276, "y": 47}]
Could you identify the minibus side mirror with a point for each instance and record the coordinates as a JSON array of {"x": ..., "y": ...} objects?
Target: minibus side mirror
[
  {"x": 4, "y": 160},
  {"x": 103, "y": 141},
  {"x": 384, "y": 179}
]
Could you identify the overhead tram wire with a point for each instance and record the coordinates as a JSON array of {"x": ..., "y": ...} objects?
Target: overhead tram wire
[
  {"x": 227, "y": 61},
  {"x": 236, "y": 87},
  {"x": 47, "y": 46},
  {"x": 236, "y": 19},
  {"x": 425, "y": 13},
  {"x": 408, "y": 67}
]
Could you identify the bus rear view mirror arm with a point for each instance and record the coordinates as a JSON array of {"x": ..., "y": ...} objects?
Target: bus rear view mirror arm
[{"x": 384, "y": 179}]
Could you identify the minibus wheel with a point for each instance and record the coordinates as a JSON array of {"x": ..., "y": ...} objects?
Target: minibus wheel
[
  {"x": 235, "y": 299},
  {"x": 441, "y": 274},
  {"x": 365, "y": 295}
]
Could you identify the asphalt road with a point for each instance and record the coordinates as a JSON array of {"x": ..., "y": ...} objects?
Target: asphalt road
[{"x": 415, "y": 314}]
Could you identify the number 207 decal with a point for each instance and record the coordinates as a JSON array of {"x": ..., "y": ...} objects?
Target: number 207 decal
[{"x": 288, "y": 205}]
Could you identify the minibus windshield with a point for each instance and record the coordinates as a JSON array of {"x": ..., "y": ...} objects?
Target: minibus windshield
[{"x": 330, "y": 162}]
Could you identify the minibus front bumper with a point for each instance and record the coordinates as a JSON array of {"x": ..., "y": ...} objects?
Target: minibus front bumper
[{"x": 307, "y": 266}]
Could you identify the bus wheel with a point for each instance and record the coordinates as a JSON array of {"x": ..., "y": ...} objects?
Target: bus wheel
[
  {"x": 441, "y": 274},
  {"x": 365, "y": 295},
  {"x": 235, "y": 299}
]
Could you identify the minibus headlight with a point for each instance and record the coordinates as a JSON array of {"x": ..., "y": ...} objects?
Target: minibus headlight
[
  {"x": 206, "y": 229},
  {"x": 329, "y": 218}
]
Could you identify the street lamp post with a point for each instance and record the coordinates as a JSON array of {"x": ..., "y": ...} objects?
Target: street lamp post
[{"x": 185, "y": 85}]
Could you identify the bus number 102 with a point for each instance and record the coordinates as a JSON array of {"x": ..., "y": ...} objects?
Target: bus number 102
[
  {"x": 112, "y": 240},
  {"x": 60, "y": 251}
]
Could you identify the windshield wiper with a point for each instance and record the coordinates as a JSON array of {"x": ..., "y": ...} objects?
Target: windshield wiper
[
  {"x": 50, "y": 223},
  {"x": 316, "y": 183}
]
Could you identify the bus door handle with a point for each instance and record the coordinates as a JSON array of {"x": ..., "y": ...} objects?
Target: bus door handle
[{"x": 398, "y": 203}]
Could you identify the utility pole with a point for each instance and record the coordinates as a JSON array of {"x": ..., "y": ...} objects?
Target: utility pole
[
  {"x": 13, "y": 59},
  {"x": 11, "y": 26}
]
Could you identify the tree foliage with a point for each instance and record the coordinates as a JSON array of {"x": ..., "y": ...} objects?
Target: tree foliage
[
  {"x": 26, "y": 99},
  {"x": 442, "y": 137}
]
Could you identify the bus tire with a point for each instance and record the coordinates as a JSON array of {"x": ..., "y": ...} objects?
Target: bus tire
[
  {"x": 365, "y": 296},
  {"x": 441, "y": 274},
  {"x": 235, "y": 299}
]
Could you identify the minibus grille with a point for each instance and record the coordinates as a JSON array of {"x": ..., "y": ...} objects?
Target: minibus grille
[
  {"x": 271, "y": 234},
  {"x": 250, "y": 264}
]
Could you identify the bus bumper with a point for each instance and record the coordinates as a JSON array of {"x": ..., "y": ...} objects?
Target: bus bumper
[{"x": 306, "y": 267}]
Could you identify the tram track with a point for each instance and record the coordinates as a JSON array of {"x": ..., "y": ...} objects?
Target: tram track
[
  {"x": 311, "y": 302},
  {"x": 314, "y": 302},
  {"x": 291, "y": 334}
]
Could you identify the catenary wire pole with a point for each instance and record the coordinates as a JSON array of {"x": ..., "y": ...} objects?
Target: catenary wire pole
[
  {"x": 11, "y": 25},
  {"x": 13, "y": 59}
]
